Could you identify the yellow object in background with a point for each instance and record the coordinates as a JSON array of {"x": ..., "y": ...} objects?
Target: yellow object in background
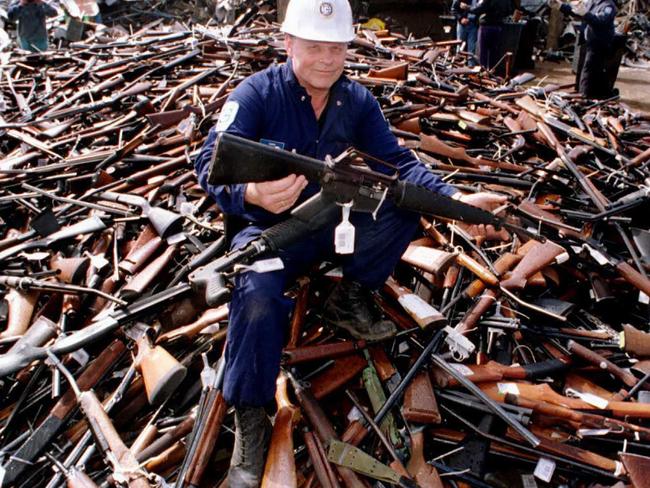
[{"x": 374, "y": 24}]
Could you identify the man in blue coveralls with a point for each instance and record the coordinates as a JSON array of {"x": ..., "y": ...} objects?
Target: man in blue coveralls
[
  {"x": 31, "y": 15},
  {"x": 597, "y": 33},
  {"x": 306, "y": 105}
]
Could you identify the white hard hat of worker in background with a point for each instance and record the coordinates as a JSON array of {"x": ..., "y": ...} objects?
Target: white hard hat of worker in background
[{"x": 319, "y": 20}]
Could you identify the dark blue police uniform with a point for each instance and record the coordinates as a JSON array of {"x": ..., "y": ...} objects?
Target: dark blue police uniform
[
  {"x": 272, "y": 107},
  {"x": 598, "y": 32}
]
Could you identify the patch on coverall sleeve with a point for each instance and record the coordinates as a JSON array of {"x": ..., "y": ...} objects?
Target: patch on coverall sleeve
[{"x": 227, "y": 116}]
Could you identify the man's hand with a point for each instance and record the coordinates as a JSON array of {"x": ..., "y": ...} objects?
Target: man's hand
[
  {"x": 275, "y": 196},
  {"x": 485, "y": 200},
  {"x": 488, "y": 202},
  {"x": 464, "y": 21},
  {"x": 464, "y": 6}
]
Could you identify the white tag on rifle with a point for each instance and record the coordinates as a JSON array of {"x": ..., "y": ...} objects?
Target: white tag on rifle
[
  {"x": 261, "y": 266},
  {"x": 344, "y": 233},
  {"x": 545, "y": 469}
]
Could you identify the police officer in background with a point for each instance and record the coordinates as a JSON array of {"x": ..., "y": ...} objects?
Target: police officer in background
[
  {"x": 31, "y": 16},
  {"x": 597, "y": 35},
  {"x": 492, "y": 14},
  {"x": 309, "y": 106},
  {"x": 466, "y": 27}
]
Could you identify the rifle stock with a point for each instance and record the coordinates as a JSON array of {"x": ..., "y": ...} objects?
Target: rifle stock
[
  {"x": 21, "y": 307},
  {"x": 280, "y": 469}
]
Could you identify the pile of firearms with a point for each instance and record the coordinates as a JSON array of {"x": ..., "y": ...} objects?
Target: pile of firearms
[{"x": 521, "y": 357}]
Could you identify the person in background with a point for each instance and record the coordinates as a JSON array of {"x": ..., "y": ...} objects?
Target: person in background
[
  {"x": 597, "y": 34},
  {"x": 466, "y": 28},
  {"x": 31, "y": 15},
  {"x": 491, "y": 14}
]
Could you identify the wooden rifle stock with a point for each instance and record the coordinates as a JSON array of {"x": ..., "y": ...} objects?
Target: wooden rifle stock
[
  {"x": 208, "y": 440},
  {"x": 110, "y": 442},
  {"x": 138, "y": 256},
  {"x": 323, "y": 428},
  {"x": 280, "y": 469},
  {"x": 21, "y": 308},
  {"x": 161, "y": 372},
  {"x": 543, "y": 392},
  {"x": 594, "y": 358},
  {"x": 581, "y": 419},
  {"x": 167, "y": 439},
  {"x": 635, "y": 341},
  {"x": 425, "y": 475},
  {"x": 633, "y": 277},
  {"x": 424, "y": 314},
  {"x": 343, "y": 370},
  {"x": 504, "y": 263},
  {"x": 419, "y": 401},
  {"x": 144, "y": 278},
  {"x": 540, "y": 256},
  {"x": 322, "y": 351},
  {"x": 70, "y": 270},
  {"x": 432, "y": 144},
  {"x": 210, "y": 317},
  {"x": 322, "y": 466},
  {"x": 299, "y": 313},
  {"x": 474, "y": 314},
  {"x": 429, "y": 259}
]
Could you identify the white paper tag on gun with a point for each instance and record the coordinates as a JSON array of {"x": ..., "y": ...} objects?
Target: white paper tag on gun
[
  {"x": 261, "y": 266},
  {"x": 344, "y": 233},
  {"x": 545, "y": 469}
]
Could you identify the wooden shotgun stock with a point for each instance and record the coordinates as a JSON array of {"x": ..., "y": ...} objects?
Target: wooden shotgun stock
[
  {"x": 343, "y": 370},
  {"x": 596, "y": 359},
  {"x": 321, "y": 464},
  {"x": 432, "y": 144},
  {"x": 149, "y": 273},
  {"x": 581, "y": 420},
  {"x": 138, "y": 256},
  {"x": 323, "y": 428},
  {"x": 211, "y": 316},
  {"x": 540, "y": 256},
  {"x": 635, "y": 341},
  {"x": 208, "y": 441},
  {"x": 108, "y": 439},
  {"x": 494, "y": 371},
  {"x": 280, "y": 469},
  {"x": 299, "y": 312},
  {"x": 322, "y": 351},
  {"x": 167, "y": 439},
  {"x": 543, "y": 392},
  {"x": 424, "y": 314},
  {"x": 425, "y": 475},
  {"x": 21, "y": 308}
]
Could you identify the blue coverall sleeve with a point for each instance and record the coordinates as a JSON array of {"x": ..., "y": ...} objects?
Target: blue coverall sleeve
[
  {"x": 456, "y": 11},
  {"x": 602, "y": 18},
  {"x": 48, "y": 10},
  {"x": 14, "y": 10},
  {"x": 242, "y": 115},
  {"x": 376, "y": 139},
  {"x": 482, "y": 7}
]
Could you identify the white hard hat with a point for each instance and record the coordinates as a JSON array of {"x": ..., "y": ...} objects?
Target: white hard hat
[{"x": 319, "y": 20}]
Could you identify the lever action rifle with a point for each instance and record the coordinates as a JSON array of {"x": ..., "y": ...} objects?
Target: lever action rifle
[{"x": 238, "y": 160}]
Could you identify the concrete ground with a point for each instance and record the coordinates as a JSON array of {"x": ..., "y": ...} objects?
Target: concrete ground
[{"x": 633, "y": 83}]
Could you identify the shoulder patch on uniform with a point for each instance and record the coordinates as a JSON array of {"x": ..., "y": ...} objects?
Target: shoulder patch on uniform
[
  {"x": 608, "y": 10},
  {"x": 227, "y": 116}
]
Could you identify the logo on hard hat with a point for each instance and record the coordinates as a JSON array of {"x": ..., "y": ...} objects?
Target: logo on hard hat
[{"x": 326, "y": 9}]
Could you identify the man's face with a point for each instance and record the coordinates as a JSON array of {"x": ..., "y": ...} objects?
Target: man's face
[{"x": 317, "y": 64}]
